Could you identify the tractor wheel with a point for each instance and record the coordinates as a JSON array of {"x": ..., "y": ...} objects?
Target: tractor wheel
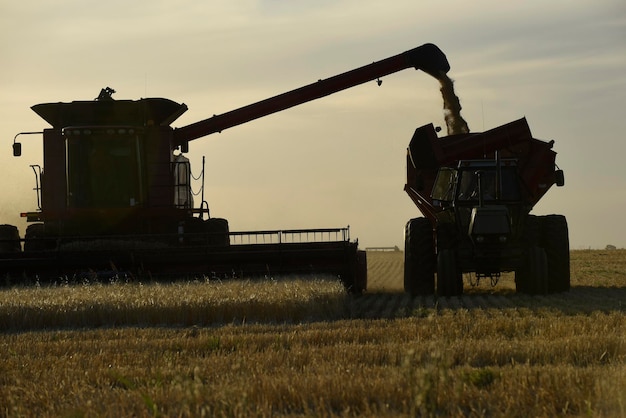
[
  {"x": 449, "y": 280},
  {"x": 9, "y": 239},
  {"x": 419, "y": 257},
  {"x": 555, "y": 241},
  {"x": 532, "y": 235},
  {"x": 532, "y": 277}
]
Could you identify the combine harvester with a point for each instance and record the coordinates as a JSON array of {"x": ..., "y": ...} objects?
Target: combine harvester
[{"x": 114, "y": 197}]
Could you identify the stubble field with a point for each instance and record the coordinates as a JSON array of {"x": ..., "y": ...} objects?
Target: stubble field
[{"x": 294, "y": 347}]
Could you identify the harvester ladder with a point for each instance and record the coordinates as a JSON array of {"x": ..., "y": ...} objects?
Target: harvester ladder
[{"x": 37, "y": 170}]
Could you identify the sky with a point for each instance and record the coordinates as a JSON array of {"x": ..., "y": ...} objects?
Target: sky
[{"x": 339, "y": 160}]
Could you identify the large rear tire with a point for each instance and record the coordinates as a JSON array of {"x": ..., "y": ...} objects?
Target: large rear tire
[
  {"x": 555, "y": 241},
  {"x": 419, "y": 257},
  {"x": 532, "y": 277}
]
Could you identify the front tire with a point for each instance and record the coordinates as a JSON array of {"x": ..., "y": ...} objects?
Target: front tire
[
  {"x": 449, "y": 280},
  {"x": 419, "y": 258}
]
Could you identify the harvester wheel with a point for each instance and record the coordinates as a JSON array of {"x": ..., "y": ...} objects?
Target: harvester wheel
[
  {"x": 194, "y": 231},
  {"x": 419, "y": 257},
  {"x": 35, "y": 239},
  {"x": 355, "y": 276},
  {"x": 532, "y": 277},
  {"x": 218, "y": 232},
  {"x": 555, "y": 241},
  {"x": 449, "y": 280},
  {"x": 9, "y": 239}
]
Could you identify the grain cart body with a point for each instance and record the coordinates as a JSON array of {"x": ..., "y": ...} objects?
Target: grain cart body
[
  {"x": 114, "y": 192},
  {"x": 476, "y": 192}
]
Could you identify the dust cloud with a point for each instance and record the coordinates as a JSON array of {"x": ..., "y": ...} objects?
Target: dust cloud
[{"x": 452, "y": 107}]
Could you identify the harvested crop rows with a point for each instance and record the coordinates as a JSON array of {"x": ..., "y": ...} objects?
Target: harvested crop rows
[
  {"x": 304, "y": 348},
  {"x": 598, "y": 284}
]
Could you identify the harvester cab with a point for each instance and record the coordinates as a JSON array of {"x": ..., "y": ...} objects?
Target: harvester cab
[
  {"x": 110, "y": 169},
  {"x": 476, "y": 192}
]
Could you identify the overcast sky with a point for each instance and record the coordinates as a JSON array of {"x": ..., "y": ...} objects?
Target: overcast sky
[{"x": 339, "y": 160}]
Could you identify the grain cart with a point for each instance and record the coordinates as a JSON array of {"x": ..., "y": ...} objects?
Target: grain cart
[
  {"x": 113, "y": 193},
  {"x": 476, "y": 192}
]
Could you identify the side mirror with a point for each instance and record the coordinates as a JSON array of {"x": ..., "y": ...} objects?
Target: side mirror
[
  {"x": 17, "y": 149},
  {"x": 559, "y": 178}
]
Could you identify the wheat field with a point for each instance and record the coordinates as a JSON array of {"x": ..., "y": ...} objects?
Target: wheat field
[{"x": 303, "y": 347}]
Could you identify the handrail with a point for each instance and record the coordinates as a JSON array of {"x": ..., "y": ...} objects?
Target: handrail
[{"x": 280, "y": 236}]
